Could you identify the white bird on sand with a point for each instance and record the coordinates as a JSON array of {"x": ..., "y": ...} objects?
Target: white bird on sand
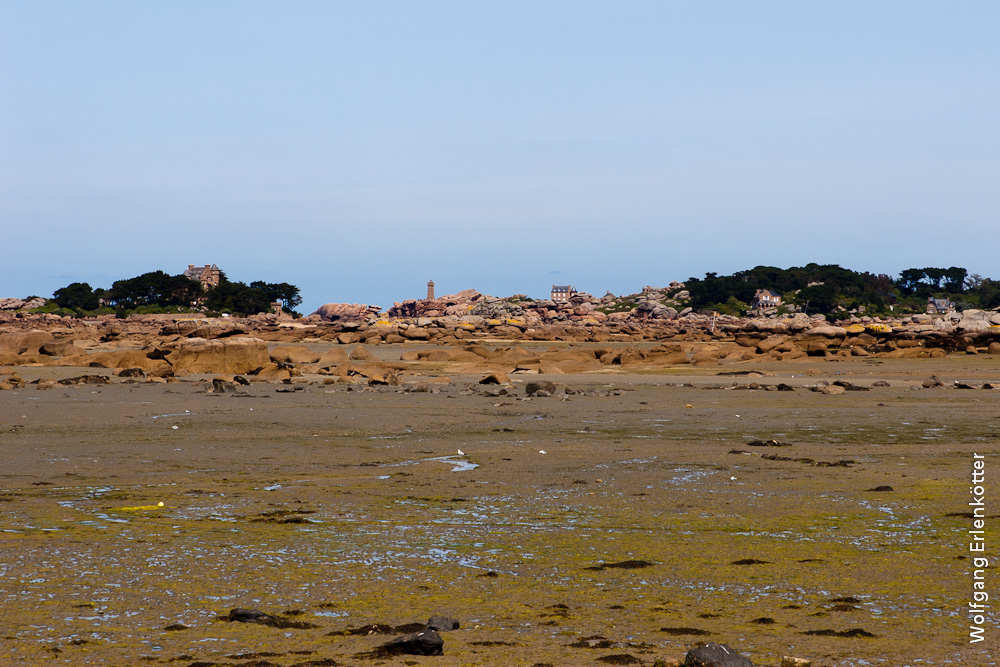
[{"x": 461, "y": 453}]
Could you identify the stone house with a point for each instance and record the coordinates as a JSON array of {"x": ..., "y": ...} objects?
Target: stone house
[
  {"x": 208, "y": 276},
  {"x": 939, "y": 306},
  {"x": 765, "y": 298},
  {"x": 562, "y": 293}
]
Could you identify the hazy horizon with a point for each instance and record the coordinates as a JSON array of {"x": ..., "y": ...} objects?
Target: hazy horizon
[{"x": 358, "y": 150}]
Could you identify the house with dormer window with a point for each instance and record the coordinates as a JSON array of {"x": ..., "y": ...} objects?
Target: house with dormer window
[
  {"x": 562, "y": 293},
  {"x": 765, "y": 298}
]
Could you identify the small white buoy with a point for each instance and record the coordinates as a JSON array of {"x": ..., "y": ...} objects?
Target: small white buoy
[
  {"x": 159, "y": 504},
  {"x": 175, "y": 427}
]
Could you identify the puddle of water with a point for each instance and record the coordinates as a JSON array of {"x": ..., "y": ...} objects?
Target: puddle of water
[
  {"x": 178, "y": 414},
  {"x": 457, "y": 464}
]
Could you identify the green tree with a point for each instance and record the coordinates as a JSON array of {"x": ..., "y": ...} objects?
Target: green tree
[
  {"x": 925, "y": 282},
  {"x": 76, "y": 296},
  {"x": 238, "y": 298},
  {"x": 154, "y": 288},
  {"x": 989, "y": 293},
  {"x": 818, "y": 298},
  {"x": 287, "y": 294},
  {"x": 954, "y": 279}
]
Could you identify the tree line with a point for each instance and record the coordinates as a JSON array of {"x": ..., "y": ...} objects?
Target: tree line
[
  {"x": 157, "y": 291},
  {"x": 829, "y": 288}
]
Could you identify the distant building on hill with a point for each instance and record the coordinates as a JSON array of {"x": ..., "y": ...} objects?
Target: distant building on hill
[
  {"x": 208, "y": 276},
  {"x": 562, "y": 293},
  {"x": 939, "y": 306},
  {"x": 765, "y": 298}
]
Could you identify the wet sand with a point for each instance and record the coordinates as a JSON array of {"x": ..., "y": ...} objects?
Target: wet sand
[{"x": 341, "y": 508}]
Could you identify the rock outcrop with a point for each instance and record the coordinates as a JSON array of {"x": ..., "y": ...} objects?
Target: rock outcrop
[
  {"x": 338, "y": 312},
  {"x": 230, "y": 355},
  {"x": 20, "y": 348}
]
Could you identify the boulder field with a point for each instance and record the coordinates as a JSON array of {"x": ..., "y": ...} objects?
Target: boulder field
[{"x": 339, "y": 340}]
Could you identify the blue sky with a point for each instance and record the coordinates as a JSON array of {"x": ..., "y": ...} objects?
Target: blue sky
[{"x": 360, "y": 149}]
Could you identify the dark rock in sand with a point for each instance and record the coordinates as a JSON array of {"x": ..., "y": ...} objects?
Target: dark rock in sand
[
  {"x": 711, "y": 654},
  {"x": 854, "y": 632},
  {"x": 767, "y": 443},
  {"x": 442, "y": 623},
  {"x": 256, "y": 616},
  {"x": 623, "y": 565},
  {"x": 221, "y": 386},
  {"x": 850, "y": 386},
  {"x": 424, "y": 642},
  {"x": 539, "y": 386},
  {"x": 882, "y": 489},
  {"x": 85, "y": 379}
]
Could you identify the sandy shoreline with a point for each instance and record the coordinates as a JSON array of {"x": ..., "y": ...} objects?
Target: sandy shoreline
[{"x": 345, "y": 504}]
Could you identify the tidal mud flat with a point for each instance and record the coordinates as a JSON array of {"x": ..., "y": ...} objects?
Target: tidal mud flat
[{"x": 621, "y": 520}]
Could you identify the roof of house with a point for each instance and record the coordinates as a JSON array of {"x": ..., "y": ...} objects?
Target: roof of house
[
  {"x": 562, "y": 288},
  {"x": 192, "y": 269},
  {"x": 767, "y": 292}
]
